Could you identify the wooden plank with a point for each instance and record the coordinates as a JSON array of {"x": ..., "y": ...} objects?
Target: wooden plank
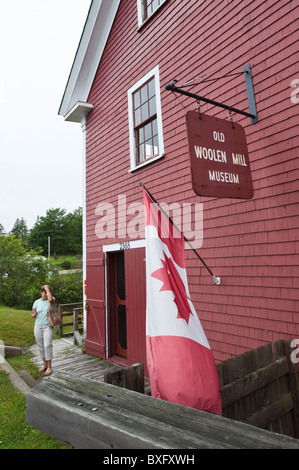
[
  {"x": 131, "y": 377},
  {"x": 135, "y": 377},
  {"x": 15, "y": 379},
  {"x": 284, "y": 423},
  {"x": 252, "y": 382},
  {"x": 263, "y": 356},
  {"x": 264, "y": 417},
  {"x": 12, "y": 351},
  {"x": 110, "y": 426},
  {"x": 259, "y": 391},
  {"x": 115, "y": 417},
  {"x": 116, "y": 378}
]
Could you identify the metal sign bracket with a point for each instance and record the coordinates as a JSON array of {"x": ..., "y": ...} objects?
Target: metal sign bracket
[{"x": 250, "y": 96}]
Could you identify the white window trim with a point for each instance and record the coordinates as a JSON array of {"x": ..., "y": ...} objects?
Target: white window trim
[
  {"x": 152, "y": 73},
  {"x": 140, "y": 13}
]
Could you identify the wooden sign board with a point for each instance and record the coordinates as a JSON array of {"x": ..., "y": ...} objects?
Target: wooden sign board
[{"x": 219, "y": 157}]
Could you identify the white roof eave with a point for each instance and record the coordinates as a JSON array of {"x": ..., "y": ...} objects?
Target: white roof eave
[{"x": 96, "y": 31}]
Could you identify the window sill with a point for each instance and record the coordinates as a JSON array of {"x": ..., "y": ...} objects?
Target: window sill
[{"x": 147, "y": 162}]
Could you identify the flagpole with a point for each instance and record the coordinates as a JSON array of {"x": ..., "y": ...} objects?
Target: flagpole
[{"x": 215, "y": 279}]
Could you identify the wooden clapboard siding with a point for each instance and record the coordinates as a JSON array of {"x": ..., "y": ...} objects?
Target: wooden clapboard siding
[{"x": 252, "y": 245}]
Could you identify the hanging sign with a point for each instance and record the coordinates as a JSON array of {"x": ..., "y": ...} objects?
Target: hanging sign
[{"x": 219, "y": 157}]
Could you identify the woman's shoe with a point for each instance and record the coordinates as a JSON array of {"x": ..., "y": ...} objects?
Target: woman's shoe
[
  {"x": 48, "y": 371},
  {"x": 42, "y": 369}
]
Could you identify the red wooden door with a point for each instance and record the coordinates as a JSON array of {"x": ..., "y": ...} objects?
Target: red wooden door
[
  {"x": 95, "y": 320},
  {"x": 136, "y": 305}
]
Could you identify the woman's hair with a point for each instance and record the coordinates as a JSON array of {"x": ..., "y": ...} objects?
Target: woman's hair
[{"x": 43, "y": 289}]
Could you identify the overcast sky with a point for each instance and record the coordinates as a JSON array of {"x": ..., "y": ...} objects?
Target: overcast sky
[{"x": 40, "y": 154}]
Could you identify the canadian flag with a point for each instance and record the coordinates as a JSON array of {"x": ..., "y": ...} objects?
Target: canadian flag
[{"x": 180, "y": 362}]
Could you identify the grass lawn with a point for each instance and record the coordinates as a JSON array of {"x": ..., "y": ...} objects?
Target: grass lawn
[
  {"x": 65, "y": 262},
  {"x": 16, "y": 329}
]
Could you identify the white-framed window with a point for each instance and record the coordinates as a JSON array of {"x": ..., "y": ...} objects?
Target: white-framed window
[
  {"x": 145, "y": 120},
  {"x": 146, "y": 8}
]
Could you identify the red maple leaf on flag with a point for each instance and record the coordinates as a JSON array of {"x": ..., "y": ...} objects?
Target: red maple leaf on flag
[{"x": 172, "y": 281}]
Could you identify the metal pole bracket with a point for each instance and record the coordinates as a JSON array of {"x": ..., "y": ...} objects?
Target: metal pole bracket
[{"x": 250, "y": 93}]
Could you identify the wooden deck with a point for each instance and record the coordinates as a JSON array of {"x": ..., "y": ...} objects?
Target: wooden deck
[{"x": 69, "y": 358}]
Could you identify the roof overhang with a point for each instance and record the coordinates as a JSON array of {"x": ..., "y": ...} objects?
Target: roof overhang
[
  {"x": 96, "y": 31},
  {"x": 78, "y": 112}
]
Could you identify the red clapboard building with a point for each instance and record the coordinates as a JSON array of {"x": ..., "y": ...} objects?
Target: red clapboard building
[{"x": 134, "y": 131}]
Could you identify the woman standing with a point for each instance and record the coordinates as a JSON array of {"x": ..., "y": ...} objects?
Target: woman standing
[{"x": 42, "y": 331}]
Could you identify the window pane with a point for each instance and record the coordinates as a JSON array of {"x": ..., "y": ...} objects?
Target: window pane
[
  {"x": 144, "y": 112},
  {"x": 144, "y": 96},
  {"x": 151, "y": 88},
  {"x": 137, "y": 99},
  {"x": 156, "y": 145},
  {"x": 141, "y": 156},
  {"x": 122, "y": 326},
  {"x": 152, "y": 104},
  {"x": 137, "y": 117},
  {"x": 150, "y": 6},
  {"x": 120, "y": 273},
  {"x": 148, "y": 149},
  {"x": 141, "y": 135},
  {"x": 148, "y": 131}
]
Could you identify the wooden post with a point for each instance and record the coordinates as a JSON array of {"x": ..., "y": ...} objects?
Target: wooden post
[
  {"x": 75, "y": 319},
  {"x": 131, "y": 377},
  {"x": 60, "y": 327},
  {"x": 77, "y": 336}
]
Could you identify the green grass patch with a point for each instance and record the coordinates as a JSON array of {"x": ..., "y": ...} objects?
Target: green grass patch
[
  {"x": 16, "y": 329},
  {"x": 65, "y": 262},
  {"x": 15, "y": 432}
]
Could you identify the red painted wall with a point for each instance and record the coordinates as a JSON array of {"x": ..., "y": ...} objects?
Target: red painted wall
[{"x": 252, "y": 245}]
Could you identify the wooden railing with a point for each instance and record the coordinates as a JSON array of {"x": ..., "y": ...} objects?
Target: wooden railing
[
  {"x": 260, "y": 387},
  {"x": 74, "y": 310}
]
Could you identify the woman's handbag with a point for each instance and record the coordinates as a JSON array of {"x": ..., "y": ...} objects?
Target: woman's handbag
[{"x": 54, "y": 317}]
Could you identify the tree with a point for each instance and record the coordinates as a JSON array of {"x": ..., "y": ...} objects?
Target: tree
[
  {"x": 73, "y": 242},
  {"x": 53, "y": 226},
  {"x": 64, "y": 230},
  {"x": 20, "y": 229},
  {"x": 2, "y": 230},
  {"x": 22, "y": 272}
]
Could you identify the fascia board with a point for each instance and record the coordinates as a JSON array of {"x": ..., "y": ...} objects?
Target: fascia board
[{"x": 93, "y": 40}]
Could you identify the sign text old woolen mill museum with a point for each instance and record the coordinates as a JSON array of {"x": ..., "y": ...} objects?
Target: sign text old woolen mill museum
[{"x": 219, "y": 157}]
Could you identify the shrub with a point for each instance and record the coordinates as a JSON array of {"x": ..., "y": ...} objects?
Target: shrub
[
  {"x": 22, "y": 272},
  {"x": 67, "y": 288}
]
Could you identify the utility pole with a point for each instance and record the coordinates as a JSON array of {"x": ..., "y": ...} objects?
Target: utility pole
[{"x": 49, "y": 251}]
